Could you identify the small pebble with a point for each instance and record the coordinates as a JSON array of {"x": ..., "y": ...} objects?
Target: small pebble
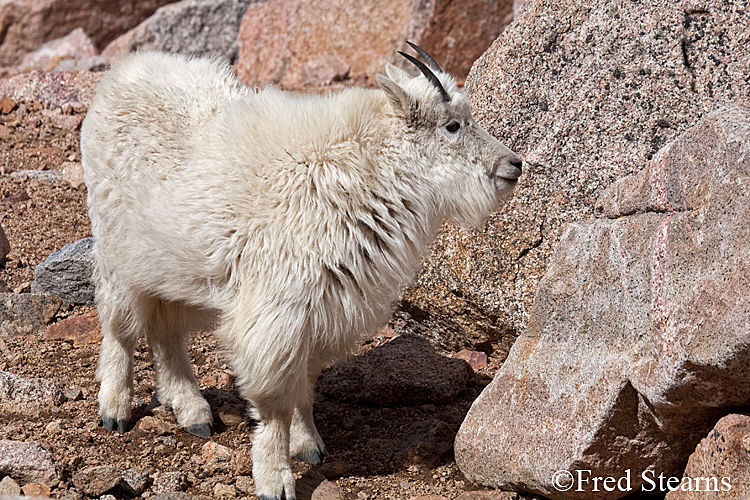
[
  {"x": 348, "y": 424},
  {"x": 224, "y": 490},
  {"x": 245, "y": 484},
  {"x": 9, "y": 487},
  {"x": 230, "y": 416},
  {"x": 74, "y": 394},
  {"x": 53, "y": 428},
  {"x": 135, "y": 481},
  {"x": 36, "y": 490}
]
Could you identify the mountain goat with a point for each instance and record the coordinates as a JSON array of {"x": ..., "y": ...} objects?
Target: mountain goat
[{"x": 286, "y": 224}]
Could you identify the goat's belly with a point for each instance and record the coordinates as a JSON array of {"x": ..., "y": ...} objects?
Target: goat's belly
[{"x": 160, "y": 264}]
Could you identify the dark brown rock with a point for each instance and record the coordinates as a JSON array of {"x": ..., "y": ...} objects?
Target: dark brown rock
[
  {"x": 638, "y": 340},
  {"x": 720, "y": 466},
  {"x": 280, "y": 39},
  {"x": 327, "y": 491},
  {"x": 405, "y": 371},
  {"x": 426, "y": 443},
  {"x": 83, "y": 329},
  {"x": 4, "y": 244}
]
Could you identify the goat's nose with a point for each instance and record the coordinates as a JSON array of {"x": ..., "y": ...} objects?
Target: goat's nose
[
  {"x": 516, "y": 162},
  {"x": 508, "y": 167}
]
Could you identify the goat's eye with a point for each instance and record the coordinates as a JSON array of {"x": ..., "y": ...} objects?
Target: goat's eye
[{"x": 453, "y": 127}]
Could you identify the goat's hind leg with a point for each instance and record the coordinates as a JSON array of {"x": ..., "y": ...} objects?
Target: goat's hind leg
[
  {"x": 167, "y": 334},
  {"x": 120, "y": 330},
  {"x": 305, "y": 444}
]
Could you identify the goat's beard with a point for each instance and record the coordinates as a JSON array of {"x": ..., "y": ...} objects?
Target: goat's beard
[{"x": 472, "y": 207}]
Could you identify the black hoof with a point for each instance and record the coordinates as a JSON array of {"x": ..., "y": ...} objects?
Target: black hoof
[
  {"x": 313, "y": 457},
  {"x": 112, "y": 424},
  {"x": 200, "y": 430}
]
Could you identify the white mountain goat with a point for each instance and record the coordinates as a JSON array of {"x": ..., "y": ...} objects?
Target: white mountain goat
[{"x": 286, "y": 224}]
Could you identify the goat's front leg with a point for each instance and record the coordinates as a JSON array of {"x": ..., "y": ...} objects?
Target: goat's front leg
[{"x": 272, "y": 473}]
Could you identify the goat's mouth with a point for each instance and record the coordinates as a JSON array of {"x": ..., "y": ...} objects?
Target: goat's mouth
[
  {"x": 504, "y": 174},
  {"x": 504, "y": 184}
]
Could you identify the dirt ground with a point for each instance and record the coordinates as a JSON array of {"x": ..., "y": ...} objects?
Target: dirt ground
[{"x": 40, "y": 217}]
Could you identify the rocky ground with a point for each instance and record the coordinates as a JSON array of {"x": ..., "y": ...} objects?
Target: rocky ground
[{"x": 376, "y": 452}]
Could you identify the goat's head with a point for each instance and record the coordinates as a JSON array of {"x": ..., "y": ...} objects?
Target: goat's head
[{"x": 471, "y": 169}]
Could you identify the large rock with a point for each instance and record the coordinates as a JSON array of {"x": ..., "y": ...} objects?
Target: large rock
[
  {"x": 720, "y": 466},
  {"x": 29, "y": 462},
  {"x": 75, "y": 45},
  {"x": 67, "y": 273},
  {"x": 27, "y": 313},
  {"x": 586, "y": 92},
  {"x": 286, "y": 41},
  {"x": 25, "y": 396},
  {"x": 405, "y": 371},
  {"x": 69, "y": 91},
  {"x": 26, "y": 24},
  {"x": 198, "y": 28},
  {"x": 96, "y": 481},
  {"x": 639, "y": 337}
]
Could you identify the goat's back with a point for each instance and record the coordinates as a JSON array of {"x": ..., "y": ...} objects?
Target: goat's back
[{"x": 151, "y": 105}]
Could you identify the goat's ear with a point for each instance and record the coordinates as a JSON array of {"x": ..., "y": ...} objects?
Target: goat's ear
[
  {"x": 402, "y": 103},
  {"x": 396, "y": 74}
]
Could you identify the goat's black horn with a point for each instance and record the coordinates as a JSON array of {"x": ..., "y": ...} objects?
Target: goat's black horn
[
  {"x": 429, "y": 75},
  {"x": 427, "y": 57}
]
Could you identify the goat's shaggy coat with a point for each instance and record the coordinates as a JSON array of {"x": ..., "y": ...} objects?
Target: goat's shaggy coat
[{"x": 287, "y": 224}]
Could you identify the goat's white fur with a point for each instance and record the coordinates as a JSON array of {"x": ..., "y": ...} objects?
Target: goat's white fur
[{"x": 288, "y": 224}]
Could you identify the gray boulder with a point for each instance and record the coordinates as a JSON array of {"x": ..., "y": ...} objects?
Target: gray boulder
[
  {"x": 587, "y": 92},
  {"x": 639, "y": 340},
  {"x": 27, "y": 397},
  {"x": 67, "y": 273},
  {"x": 192, "y": 27},
  {"x": 27, "y": 313},
  {"x": 29, "y": 462}
]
